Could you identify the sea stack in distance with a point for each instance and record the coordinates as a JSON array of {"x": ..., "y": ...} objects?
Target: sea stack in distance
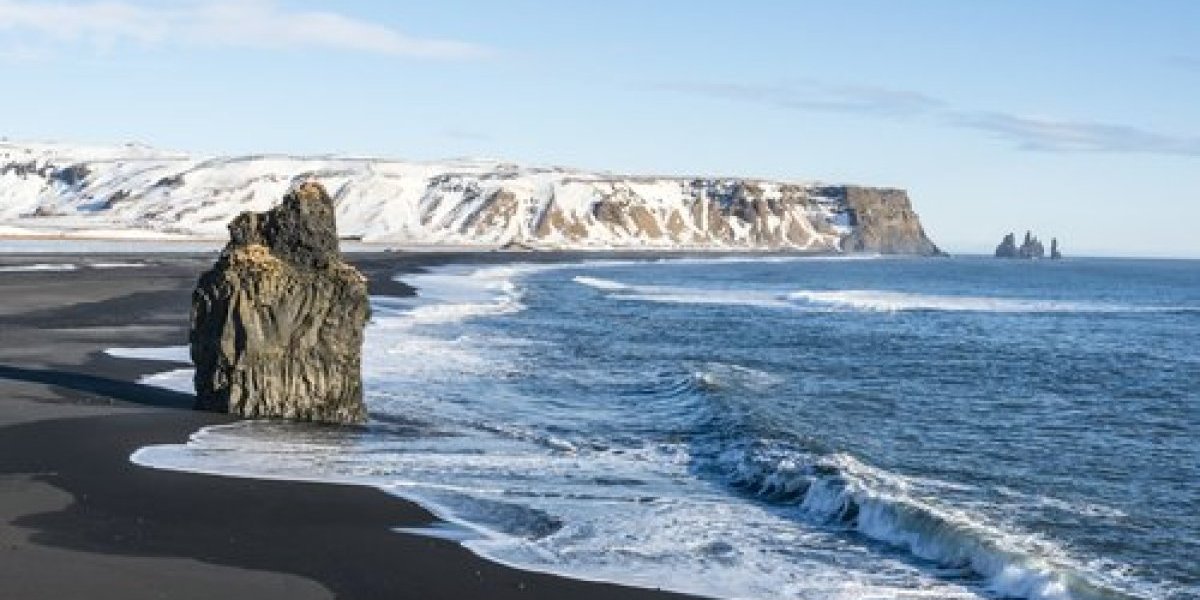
[
  {"x": 277, "y": 324},
  {"x": 1030, "y": 248}
]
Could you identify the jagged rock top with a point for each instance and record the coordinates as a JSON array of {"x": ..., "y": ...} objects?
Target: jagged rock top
[{"x": 301, "y": 230}]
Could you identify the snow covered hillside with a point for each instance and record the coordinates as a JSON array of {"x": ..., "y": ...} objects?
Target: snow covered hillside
[{"x": 135, "y": 191}]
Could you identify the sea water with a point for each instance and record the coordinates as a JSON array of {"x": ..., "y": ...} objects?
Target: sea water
[{"x": 784, "y": 428}]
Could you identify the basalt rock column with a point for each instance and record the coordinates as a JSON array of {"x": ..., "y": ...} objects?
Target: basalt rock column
[{"x": 277, "y": 324}]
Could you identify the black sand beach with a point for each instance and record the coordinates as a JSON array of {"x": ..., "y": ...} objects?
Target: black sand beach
[{"x": 79, "y": 520}]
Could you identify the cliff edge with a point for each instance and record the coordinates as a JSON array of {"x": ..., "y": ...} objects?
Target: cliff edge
[{"x": 883, "y": 221}]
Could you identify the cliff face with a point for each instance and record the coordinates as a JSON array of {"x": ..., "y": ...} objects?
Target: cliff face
[
  {"x": 883, "y": 221},
  {"x": 277, "y": 324},
  {"x": 465, "y": 202}
]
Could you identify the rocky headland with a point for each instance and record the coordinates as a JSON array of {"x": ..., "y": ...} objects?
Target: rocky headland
[
  {"x": 883, "y": 221},
  {"x": 277, "y": 324}
]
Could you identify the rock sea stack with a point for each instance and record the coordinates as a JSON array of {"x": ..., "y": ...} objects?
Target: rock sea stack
[
  {"x": 277, "y": 324},
  {"x": 1030, "y": 248}
]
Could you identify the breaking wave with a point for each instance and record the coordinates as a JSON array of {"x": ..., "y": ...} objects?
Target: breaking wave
[
  {"x": 839, "y": 490},
  {"x": 861, "y": 300},
  {"x": 39, "y": 267}
]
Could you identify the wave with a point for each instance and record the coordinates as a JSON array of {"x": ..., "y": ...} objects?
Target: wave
[
  {"x": 839, "y": 490},
  {"x": 38, "y": 267},
  {"x": 861, "y": 300},
  {"x": 118, "y": 265},
  {"x": 607, "y": 285},
  {"x": 891, "y": 301},
  {"x": 788, "y": 258},
  {"x": 455, "y": 294},
  {"x": 681, "y": 295},
  {"x": 719, "y": 376}
]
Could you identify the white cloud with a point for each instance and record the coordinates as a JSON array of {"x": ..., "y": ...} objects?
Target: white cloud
[{"x": 227, "y": 23}]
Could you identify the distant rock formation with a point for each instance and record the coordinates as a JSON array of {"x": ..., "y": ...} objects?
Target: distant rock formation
[
  {"x": 1054, "y": 253},
  {"x": 277, "y": 324},
  {"x": 1031, "y": 247},
  {"x": 1007, "y": 247}
]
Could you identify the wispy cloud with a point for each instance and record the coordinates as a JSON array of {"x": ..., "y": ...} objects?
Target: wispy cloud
[
  {"x": 1028, "y": 133},
  {"x": 224, "y": 23},
  {"x": 1071, "y": 136}
]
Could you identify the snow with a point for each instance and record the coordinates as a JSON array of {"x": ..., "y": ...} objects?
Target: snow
[{"x": 134, "y": 192}]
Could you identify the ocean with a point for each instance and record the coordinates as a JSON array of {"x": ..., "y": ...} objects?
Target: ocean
[{"x": 783, "y": 427}]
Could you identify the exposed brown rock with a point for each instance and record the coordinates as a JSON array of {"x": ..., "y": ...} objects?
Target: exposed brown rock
[
  {"x": 885, "y": 223},
  {"x": 497, "y": 213}
]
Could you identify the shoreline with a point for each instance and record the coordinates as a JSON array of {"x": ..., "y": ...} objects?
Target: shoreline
[{"x": 80, "y": 519}]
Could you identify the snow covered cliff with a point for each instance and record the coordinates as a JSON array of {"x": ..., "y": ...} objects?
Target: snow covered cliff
[{"x": 133, "y": 190}]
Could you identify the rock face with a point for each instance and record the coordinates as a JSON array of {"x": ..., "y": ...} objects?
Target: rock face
[
  {"x": 277, "y": 324},
  {"x": 1007, "y": 247},
  {"x": 883, "y": 220},
  {"x": 1030, "y": 248}
]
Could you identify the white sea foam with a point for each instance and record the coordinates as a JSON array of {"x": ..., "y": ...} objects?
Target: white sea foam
[
  {"x": 117, "y": 265},
  {"x": 857, "y": 300},
  {"x": 168, "y": 353},
  {"x": 601, "y": 284},
  {"x": 681, "y": 295},
  {"x": 176, "y": 380},
  {"x": 36, "y": 267},
  {"x": 758, "y": 258},
  {"x": 720, "y": 375},
  {"x": 892, "y": 301}
]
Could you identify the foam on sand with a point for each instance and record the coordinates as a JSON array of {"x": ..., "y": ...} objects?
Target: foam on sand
[{"x": 167, "y": 354}]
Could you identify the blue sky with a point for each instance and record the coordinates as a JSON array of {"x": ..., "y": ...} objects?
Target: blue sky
[{"x": 1079, "y": 119}]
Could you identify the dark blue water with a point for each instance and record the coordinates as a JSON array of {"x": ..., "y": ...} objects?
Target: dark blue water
[{"x": 790, "y": 428}]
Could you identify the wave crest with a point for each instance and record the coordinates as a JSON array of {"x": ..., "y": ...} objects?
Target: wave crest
[
  {"x": 886, "y": 301},
  {"x": 839, "y": 490}
]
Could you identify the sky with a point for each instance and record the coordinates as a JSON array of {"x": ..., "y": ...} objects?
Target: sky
[{"x": 1078, "y": 119}]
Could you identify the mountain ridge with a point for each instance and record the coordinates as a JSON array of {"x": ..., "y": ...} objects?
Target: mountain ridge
[{"x": 54, "y": 187}]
